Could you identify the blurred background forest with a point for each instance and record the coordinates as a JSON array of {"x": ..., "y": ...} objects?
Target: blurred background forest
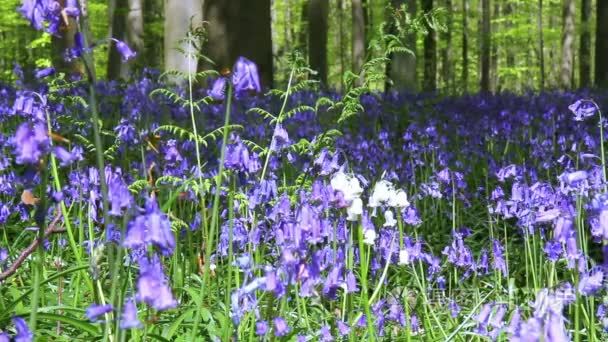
[{"x": 455, "y": 46}]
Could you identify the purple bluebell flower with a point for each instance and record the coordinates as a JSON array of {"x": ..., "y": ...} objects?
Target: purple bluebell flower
[
  {"x": 45, "y": 72},
  {"x": 261, "y": 328},
  {"x": 343, "y": 328},
  {"x": 151, "y": 228},
  {"x": 94, "y": 311},
  {"x": 24, "y": 334},
  {"x": 325, "y": 334},
  {"x": 128, "y": 319},
  {"x": 42, "y": 14},
  {"x": 126, "y": 54},
  {"x": 245, "y": 77},
  {"x": 280, "y": 327},
  {"x": 590, "y": 283},
  {"x": 30, "y": 143},
  {"x": 218, "y": 89},
  {"x": 582, "y": 109},
  {"x": 4, "y": 337},
  {"x": 152, "y": 287},
  {"x": 71, "y": 8}
]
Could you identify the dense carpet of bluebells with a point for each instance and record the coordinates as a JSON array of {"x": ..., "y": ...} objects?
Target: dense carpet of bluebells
[
  {"x": 420, "y": 218},
  {"x": 158, "y": 209}
]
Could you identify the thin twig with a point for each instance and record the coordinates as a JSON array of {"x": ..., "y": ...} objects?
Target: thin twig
[{"x": 52, "y": 229}]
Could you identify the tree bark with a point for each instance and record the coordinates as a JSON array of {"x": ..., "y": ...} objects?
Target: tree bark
[
  {"x": 567, "y": 60},
  {"x": 401, "y": 69},
  {"x": 465, "y": 45},
  {"x": 430, "y": 52},
  {"x": 128, "y": 26},
  {"x": 358, "y": 35},
  {"x": 585, "y": 45},
  {"x": 485, "y": 46},
  {"x": 317, "y": 37},
  {"x": 240, "y": 28},
  {"x": 446, "y": 53},
  {"x": 63, "y": 42},
  {"x": 601, "y": 45},
  {"x": 181, "y": 17},
  {"x": 153, "y": 36}
]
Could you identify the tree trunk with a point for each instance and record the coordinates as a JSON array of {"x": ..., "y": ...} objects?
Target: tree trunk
[
  {"x": 240, "y": 28},
  {"x": 485, "y": 46},
  {"x": 494, "y": 48},
  {"x": 446, "y": 53},
  {"x": 401, "y": 69},
  {"x": 601, "y": 45},
  {"x": 585, "y": 45},
  {"x": 59, "y": 45},
  {"x": 541, "y": 47},
  {"x": 317, "y": 37},
  {"x": 340, "y": 36},
  {"x": 567, "y": 60},
  {"x": 508, "y": 11},
  {"x": 181, "y": 17},
  {"x": 128, "y": 26},
  {"x": 153, "y": 49},
  {"x": 358, "y": 35},
  {"x": 430, "y": 52},
  {"x": 465, "y": 45}
]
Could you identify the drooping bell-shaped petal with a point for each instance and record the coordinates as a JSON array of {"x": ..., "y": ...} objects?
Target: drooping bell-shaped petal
[
  {"x": 128, "y": 319},
  {"x": 94, "y": 311},
  {"x": 126, "y": 54},
  {"x": 24, "y": 334},
  {"x": 280, "y": 327},
  {"x": 45, "y": 72},
  {"x": 218, "y": 89},
  {"x": 245, "y": 77},
  {"x": 152, "y": 287},
  {"x": 30, "y": 143}
]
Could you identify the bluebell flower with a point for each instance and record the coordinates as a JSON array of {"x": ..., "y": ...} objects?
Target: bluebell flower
[
  {"x": 152, "y": 287},
  {"x": 4, "y": 337},
  {"x": 94, "y": 311},
  {"x": 30, "y": 143},
  {"x": 128, "y": 319},
  {"x": 280, "y": 327},
  {"x": 42, "y": 14},
  {"x": 261, "y": 328},
  {"x": 582, "y": 109},
  {"x": 45, "y": 72},
  {"x": 126, "y": 54},
  {"x": 245, "y": 76},
  {"x": 23, "y": 331},
  {"x": 71, "y": 8},
  {"x": 151, "y": 228}
]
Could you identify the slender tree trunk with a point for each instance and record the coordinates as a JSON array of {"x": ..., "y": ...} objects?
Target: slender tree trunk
[
  {"x": 358, "y": 35},
  {"x": 485, "y": 46},
  {"x": 340, "y": 38},
  {"x": 465, "y": 45},
  {"x": 446, "y": 52},
  {"x": 601, "y": 45},
  {"x": 508, "y": 11},
  {"x": 494, "y": 55},
  {"x": 128, "y": 26},
  {"x": 181, "y": 17},
  {"x": 153, "y": 49},
  {"x": 240, "y": 28},
  {"x": 401, "y": 69},
  {"x": 430, "y": 52},
  {"x": 317, "y": 37},
  {"x": 302, "y": 42},
  {"x": 567, "y": 60},
  {"x": 59, "y": 45},
  {"x": 585, "y": 45},
  {"x": 541, "y": 47}
]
